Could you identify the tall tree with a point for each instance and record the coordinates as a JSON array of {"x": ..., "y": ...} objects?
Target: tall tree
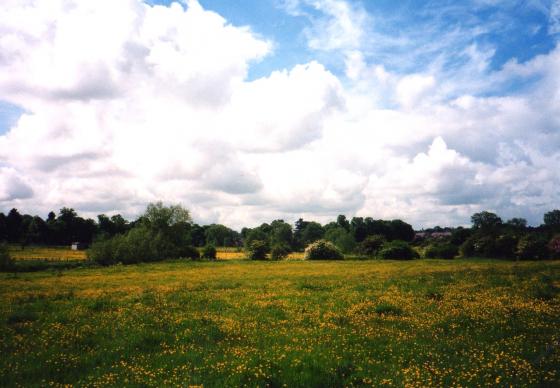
[
  {"x": 485, "y": 220},
  {"x": 3, "y": 228},
  {"x": 281, "y": 233},
  {"x": 552, "y": 219},
  {"x": 343, "y": 222},
  {"x": 358, "y": 228},
  {"x": 14, "y": 222}
]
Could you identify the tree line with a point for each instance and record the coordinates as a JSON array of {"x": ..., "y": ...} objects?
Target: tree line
[
  {"x": 169, "y": 231},
  {"x": 67, "y": 227}
]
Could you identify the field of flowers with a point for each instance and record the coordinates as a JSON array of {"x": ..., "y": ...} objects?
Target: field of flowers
[
  {"x": 46, "y": 253},
  {"x": 224, "y": 253},
  {"x": 290, "y": 323}
]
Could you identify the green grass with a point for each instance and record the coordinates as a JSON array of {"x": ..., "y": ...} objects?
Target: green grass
[{"x": 292, "y": 323}]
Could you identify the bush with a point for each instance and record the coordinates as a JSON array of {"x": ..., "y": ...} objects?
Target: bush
[
  {"x": 257, "y": 250},
  {"x": 208, "y": 252},
  {"x": 532, "y": 247},
  {"x": 341, "y": 238},
  {"x": 442, "y": 251},
  {"x": 371, "y": 245},
  {"x": 554, "y": 246},
  {"x": 6, "y": 262},
  {"x": 103, "y": 252},
  {"x": 140, "y": 244},
  {"x": 505, "y": 245},
  {"x": 479, "y": 245},
  {"x": 190, "y": 252},
  {"x": 323, "y": 250},
  {"x": 467, "y": 248},
  {"x": 279, "y": 252},
  {"x": 397, "y": 250}
]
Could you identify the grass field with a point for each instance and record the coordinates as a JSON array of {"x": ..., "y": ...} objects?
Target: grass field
[
  {"x": 292, "y": 323},
  {"x": 46, "y": 253},
  {"x": 66, "y": 254}
]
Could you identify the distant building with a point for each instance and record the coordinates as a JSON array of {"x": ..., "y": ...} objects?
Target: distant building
[
  {"x": 78, "y": 246},
  {"x": 440, "y": 235},
  {"x": 418, "y": 236}
]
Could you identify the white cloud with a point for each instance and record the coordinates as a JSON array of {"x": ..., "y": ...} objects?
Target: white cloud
[
  {"x": 554, "y": 27},
  {"x": 12, "y": 186},
  {"x": 412, "y": 88},
  {"x": 156, "y": 105},
  {"x": 342, "y": 26}
]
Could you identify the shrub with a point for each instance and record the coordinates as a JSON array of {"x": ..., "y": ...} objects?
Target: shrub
[
  {"x": 6, "y": 261},
  {"x": 505, "y": 245},
  {"x": 532, "y": 247},
  {"x": 479, "y": 245},
  {"x": 257, "y": 250},
  {"x": 208, "y": 252},
  {"x": 279, "y": 252},
  {"x": 442, "y": 251},
  {"x": 554, "y": 246},
  {"x": 341, "y": 238},
  {"x": 397, "y": 250},
  {"x": 140, "y": 244},
  {"x": 467, "y": 248},
  {"x": 103, "y": 252},
  {"x": 371, "y": 245},
  {"x": 188, "y": 252},
  {"x": 484, "y": 246},
  {"x": 460, "y": 235},
  {"x": 323, "y": 250}
]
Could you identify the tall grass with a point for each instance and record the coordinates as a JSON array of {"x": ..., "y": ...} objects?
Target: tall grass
[{"x": 293, "y": 323}]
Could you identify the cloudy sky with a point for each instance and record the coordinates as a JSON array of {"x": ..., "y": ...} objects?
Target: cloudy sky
[{"x": 247, "y": 111}]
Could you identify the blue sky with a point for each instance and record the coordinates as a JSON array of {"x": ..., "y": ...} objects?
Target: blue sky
[
  {"x": 515, "y": 29},
  {"x": 261, "y": 109}
]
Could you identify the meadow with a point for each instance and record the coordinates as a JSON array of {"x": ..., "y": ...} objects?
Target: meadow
[
  {"x": 63, "y": 253},
  {"x": 44, "y": 253},
  {"x": 290, "y": 323}
]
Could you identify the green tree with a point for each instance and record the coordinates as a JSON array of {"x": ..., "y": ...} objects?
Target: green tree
[
  {"x": 517, "y": 223},
  {"x": 358, "y": 228},
  {"x": 281, "y": 234},
  {"x": 256, "y": 234},
  {"x": 163, "y": 218},
  {"x": 343, "y": 222},
  {"x": 221, "y": 235},
  {"x": 341, "y": 238},
  {"x": 372, "y": 245},
  {"x": 14, "y": 222},
  {"x": 257, "y": 250},
  {"x": 400, "y": 230},
  {"x": 3, "y": 228},
  {"x": 485, "y": 220},
  {"x": 312, "y": 232},
  {"x": 552, "y": 219}
]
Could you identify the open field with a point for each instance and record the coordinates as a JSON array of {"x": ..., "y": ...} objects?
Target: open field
[
  {"x": 66, "y": 254},
  {"x": 292, "y": 323},
  {"x": 224, "y": 253},
  {"x": 46, "y": 253}
]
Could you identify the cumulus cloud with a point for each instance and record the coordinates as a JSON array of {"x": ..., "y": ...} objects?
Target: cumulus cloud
[
  {"x": 12, "y": 186},
  {"x": 554, "y": 27},
  {"x": 156, "y": 105}
]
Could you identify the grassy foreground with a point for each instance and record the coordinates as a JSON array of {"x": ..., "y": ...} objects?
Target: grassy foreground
[{"x": 294, "y": 323}]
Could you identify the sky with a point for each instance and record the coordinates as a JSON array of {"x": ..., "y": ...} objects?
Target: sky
[{"x": 255, "y": 110}]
